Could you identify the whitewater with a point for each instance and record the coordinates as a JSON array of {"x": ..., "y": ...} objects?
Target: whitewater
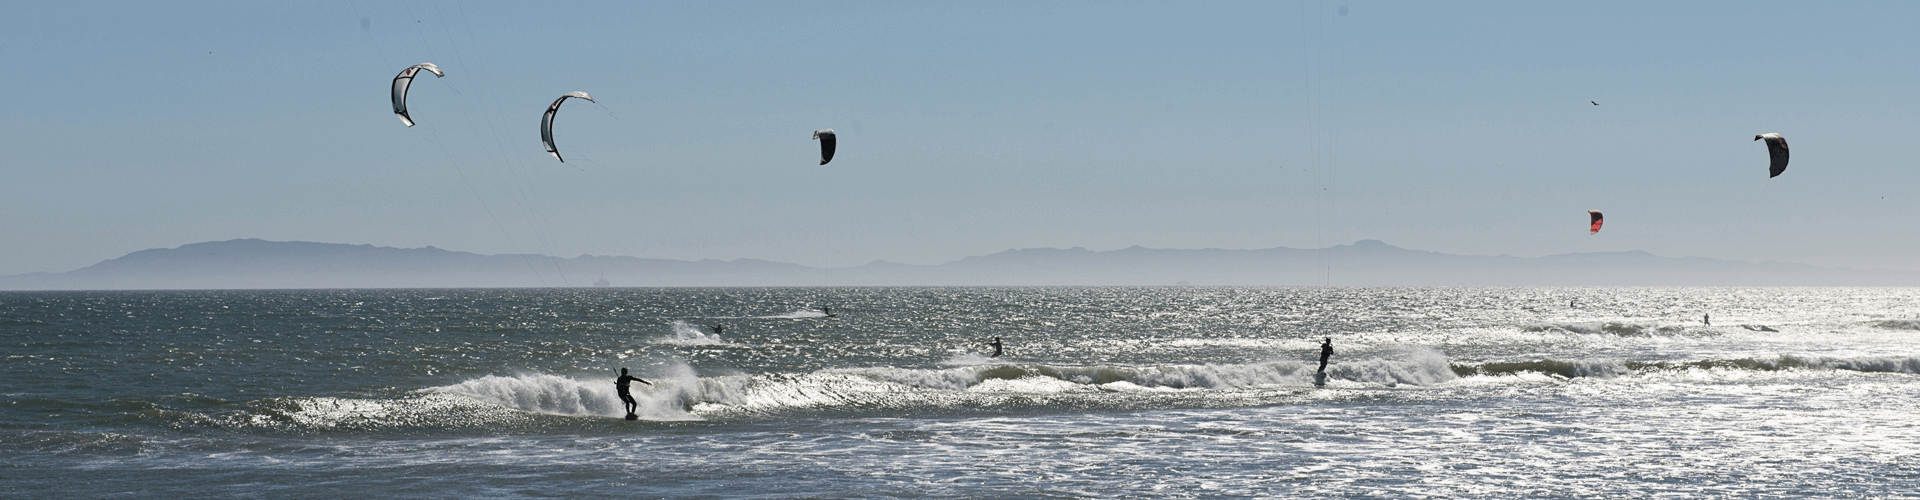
[{"x": 1191, "y": 392}]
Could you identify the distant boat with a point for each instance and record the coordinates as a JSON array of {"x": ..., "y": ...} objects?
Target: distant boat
[{"x": 602, "y": 282}]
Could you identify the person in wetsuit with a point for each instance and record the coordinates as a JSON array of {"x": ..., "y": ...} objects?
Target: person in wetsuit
[
  {"x": 1707, "y": 318},
  {"x": 996, "y": 346},
  {"x": 1326, "y": 351},
  {"x": 717, "y": 329},
  {"x": 627, "y": 397},
  {"x": 827, "y": 311}
]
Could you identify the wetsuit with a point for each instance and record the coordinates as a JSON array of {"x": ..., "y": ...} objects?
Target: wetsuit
[
  {"x": 627, "y": 397},
  {"x": 996, "y": 346},
  {"x": 1326, "y": 351}
]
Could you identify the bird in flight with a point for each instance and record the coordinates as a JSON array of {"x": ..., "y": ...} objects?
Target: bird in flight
[{"x": 1594, "y": 103}]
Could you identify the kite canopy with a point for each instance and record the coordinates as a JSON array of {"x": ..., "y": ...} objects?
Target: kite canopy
[
  {"x": 826, "y": 144},
  {"x": 546, "y": 123},
  {"x": 1777, "y": 150},
  {"x": 400, "y": 84},
  {"x": 1595, "y": 215}
]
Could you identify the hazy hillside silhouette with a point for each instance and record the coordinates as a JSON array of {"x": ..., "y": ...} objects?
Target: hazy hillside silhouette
[{"x": 254, "y": 263}]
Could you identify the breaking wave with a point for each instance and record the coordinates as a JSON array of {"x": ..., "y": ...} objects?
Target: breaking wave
[
  {"x": 1564, "y": 368},
  {"x": 667, "y": 398},
  {"x": 1621, "y": 329},
  {"x": 1614, "y": 368},
  {"x": 970, "y": 358},
  {"x": 1878, "y": 364},
  {"x": 685, "y": 333},
  {"x": 677, "y": 394},
  {"x": 682, "y": 395},
  {"x": 1898, "y": 324}
]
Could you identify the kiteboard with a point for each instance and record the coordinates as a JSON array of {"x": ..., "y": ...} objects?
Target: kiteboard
[
  {"x": 631, "y": 416},
  {"x": 1320, "y": 379}
]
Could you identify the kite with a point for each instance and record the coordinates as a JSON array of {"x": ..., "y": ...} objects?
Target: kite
[
  {"x": 826, "y": 144},
  {"x": 546, "y": 123},
  {"x": 1777, "y": 150},
  {"x": 400, "y": 84}
]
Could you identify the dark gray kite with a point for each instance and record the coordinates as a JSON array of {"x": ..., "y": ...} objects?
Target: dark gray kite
[
  {"x": 826, "y": 144},
  {"x": 1777, "y": 149}
]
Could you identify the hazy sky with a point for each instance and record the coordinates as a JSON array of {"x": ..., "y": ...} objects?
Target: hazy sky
[{"x": 964, "y": 128}]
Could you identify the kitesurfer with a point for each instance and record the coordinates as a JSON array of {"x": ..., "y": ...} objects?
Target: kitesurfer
[
  {"x": 717, "y": 329},
  {"x": 827, "y": 311},
  {"x": 1707, "y": 318},
  {"x": 996, "y": 346},
  {"x": 627, "y": 397},
  {"x": 1326, "y": 351}
]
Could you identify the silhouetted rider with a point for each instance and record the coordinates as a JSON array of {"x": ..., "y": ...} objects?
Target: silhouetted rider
[
  {"x": 622, "y": 384},
  {"x": 1326, "y": 351}
]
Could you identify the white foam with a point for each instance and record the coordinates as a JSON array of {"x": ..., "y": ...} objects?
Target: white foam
[
  {"x": 1599, "y": 367},
  {"x": 1615, "y": 328},
  {"x": 1592, "y": 367},
  {"x": 1420, "y": 367},
  {"x": 1028, "y": 385},
  {"x": 970, "y": 358},
  {"x": 678, "y": 390},
  {"x": 686, "y": 334},
  {"x": 1886, "y": 364},
  {"x": 666, "y": 399},
  {"x": 797, "y": 314}
]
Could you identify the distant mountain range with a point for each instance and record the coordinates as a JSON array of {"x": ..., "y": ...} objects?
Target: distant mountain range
[{"x": 253, "y": 263}]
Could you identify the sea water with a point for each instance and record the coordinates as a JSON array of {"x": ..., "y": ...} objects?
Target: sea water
[{"x": 1186, "y": 392}]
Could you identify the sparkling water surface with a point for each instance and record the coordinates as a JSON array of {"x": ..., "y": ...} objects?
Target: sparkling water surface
[{"x": 1104, "y": 392}]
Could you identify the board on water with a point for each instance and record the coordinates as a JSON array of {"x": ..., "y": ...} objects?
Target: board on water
[
  {"x": 631, "y": 416},
  {"x": 1320, "y": 379}
]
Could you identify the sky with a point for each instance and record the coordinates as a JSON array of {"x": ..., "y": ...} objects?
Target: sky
[{"x": 965, "y": 128}]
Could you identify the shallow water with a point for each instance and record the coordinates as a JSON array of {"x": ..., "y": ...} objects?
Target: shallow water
[{"x": 1160, "y": 392}]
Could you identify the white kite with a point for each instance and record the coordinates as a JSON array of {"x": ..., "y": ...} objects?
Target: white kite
[
  {"x": 400, "y": 84},
  {"x": 546, "y": 123}
]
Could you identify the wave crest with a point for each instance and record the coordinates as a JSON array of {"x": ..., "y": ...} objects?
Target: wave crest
[
  {"x": 667, "y": 399},
  {"x": 1615, "y": 328},
  {"x": 682, "y": 394},
  {"x": 685, "y": 333},
  {"x": 1898, "y": 324},
  {"x": 1871, "y": 364},
  {"x": 1615, "y": 368},
  {"x": 1417, "y": 368}
]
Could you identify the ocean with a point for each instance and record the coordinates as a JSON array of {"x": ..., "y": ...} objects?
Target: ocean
[{"x": 1156, "y": 392}]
